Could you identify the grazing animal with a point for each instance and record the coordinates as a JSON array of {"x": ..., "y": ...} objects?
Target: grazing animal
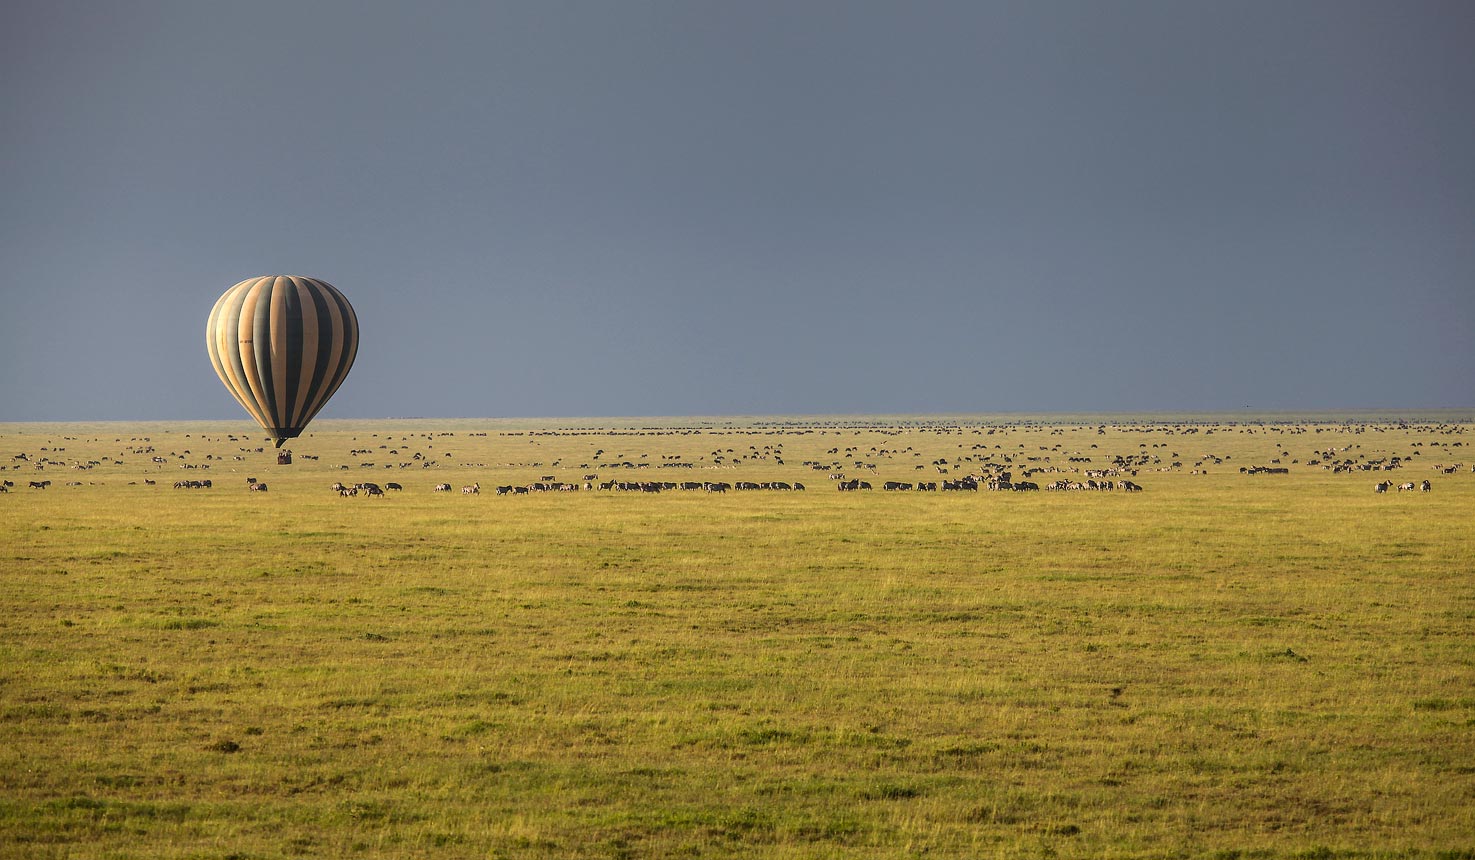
[
  {"x": 1425, "y": 487},
  {"x": 502, "y": 491},
  {"x": 393, "y": 486},
  {"x": 374, "y": 490},
  {"x": 471, "y": 490},
  {"x": 257, "y": 487},
  {"x": 1382, "y": 486},
  {"x": 442, "y": 488},
  {"x": 1408, "y": 485}
]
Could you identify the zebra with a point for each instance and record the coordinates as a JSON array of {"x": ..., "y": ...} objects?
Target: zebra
[
  {"x": 1425, "y": 487},
  {"x": 442, "y": 488},
  {"x": 472, "y": 490},
  {"x": 1382, "y": 486}
]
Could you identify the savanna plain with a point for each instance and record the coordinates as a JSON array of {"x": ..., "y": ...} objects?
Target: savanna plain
[{"x": 1229, "y": 663}]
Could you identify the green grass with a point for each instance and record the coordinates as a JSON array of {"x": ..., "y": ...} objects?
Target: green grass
[{"x": 1222, "y": 666}]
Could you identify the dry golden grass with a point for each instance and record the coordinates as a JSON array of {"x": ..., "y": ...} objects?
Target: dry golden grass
[{"x": 1222, "y": 665}]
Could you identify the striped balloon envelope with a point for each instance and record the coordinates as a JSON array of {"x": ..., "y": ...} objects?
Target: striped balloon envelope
[{"x": 282, "y": 345}]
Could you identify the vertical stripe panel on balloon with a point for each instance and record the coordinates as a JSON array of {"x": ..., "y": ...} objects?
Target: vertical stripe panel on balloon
[
  {"x": 306, "y": 339},
  {"x": 210, "y": 347},
  {"x": 261, "y": 347},
  {"x": 281, "y": 347},
  {"x": 223, "y": 333},
  {"x": 217, "y": 336},
  {"x": 346, "y": 340},
  {"x": 328, "y": 347},
  {"x": 246, "y": 346},
  {"x": 260, "y": 323},
  {"x": 228, "y": 341},
  {"x": 322, "y": 350}
]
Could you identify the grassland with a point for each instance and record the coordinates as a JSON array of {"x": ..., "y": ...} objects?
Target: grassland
[{"x": 1223, "y": 665}]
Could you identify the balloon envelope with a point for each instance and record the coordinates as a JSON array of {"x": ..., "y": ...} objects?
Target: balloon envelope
[{"x": 282, "y": 345}]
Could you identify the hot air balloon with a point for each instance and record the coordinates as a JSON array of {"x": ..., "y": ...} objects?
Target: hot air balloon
[{"x": 282, "y": 345}]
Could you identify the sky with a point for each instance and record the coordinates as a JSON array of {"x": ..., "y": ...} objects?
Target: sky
[{"x": 553, "y": 208}]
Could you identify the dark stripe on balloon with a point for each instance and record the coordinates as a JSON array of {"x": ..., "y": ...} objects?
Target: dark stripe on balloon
[
  {"x": 260, "y": 323},
  {"x": 307, "y": 349},
  {"x": 346, "y": 341},
  {"x": 322, "y": 351},
  {"x": 338, "y": 333},
  {"x": 280, "y": 347},
  {"x": 293, "y": 340}
]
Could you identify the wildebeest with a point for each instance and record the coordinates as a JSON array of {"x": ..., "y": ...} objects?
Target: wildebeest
[
  {"x": 393, "y": 486},
  {"x": 41, "y": 485},
  {"x": 1382, "y": 486},
  {"x": 1425, "y": 487},
  {"x": 257, "y": 487},
  {"x": 374, "y": 490}
]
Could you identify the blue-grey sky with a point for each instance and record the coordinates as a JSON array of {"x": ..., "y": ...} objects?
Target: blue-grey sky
[{"x": 552, "y": 208}]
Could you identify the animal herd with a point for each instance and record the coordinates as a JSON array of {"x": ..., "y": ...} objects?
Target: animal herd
[
  {"x": 1406, "y": 486},
  {"x": 968, "y": 484}
]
